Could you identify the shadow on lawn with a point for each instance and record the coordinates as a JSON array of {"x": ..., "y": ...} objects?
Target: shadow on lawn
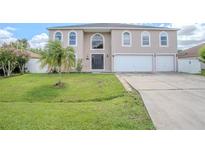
[
  {"x": 51, "y": 94},
  {"x": 44, "y": 93}
]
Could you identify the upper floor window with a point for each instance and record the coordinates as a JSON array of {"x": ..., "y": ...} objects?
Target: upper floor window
[
  {"x": 97, "y": 41},
  {"x": 163, "y": 39},
  {"x": 58, "y": 36},
  {"x": 145, "y": 39},
  {"x": 72, "y": 39},
  {"x": 126, "y": 39}
]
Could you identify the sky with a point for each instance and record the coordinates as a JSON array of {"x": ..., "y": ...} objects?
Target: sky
[{"x": 37, "y": 35}]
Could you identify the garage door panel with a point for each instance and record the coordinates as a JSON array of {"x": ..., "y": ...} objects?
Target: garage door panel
[
  {"x": 164, "y": 63},
  {"x": 133, "y": 63}
]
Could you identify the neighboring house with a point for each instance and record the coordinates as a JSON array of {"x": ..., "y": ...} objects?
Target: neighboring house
[
  {"x": 34, "y": 65},
  {"x": 188, "y": 60},
  {"x": 113, "y": 47}
]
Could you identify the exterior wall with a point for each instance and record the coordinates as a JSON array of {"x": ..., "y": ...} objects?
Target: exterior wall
[
  {"x": 136, "y": 42},
  {"x": 113, "y": 45},
  {"x": 116, "y": 41},
  {"x": 83, "y": 48},
  {"x": 79, "y": 48},
  {"x": 88, "y": 51}
]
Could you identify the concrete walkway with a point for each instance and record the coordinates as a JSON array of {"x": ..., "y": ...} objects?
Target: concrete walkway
[{"x": 174, "y": 101}]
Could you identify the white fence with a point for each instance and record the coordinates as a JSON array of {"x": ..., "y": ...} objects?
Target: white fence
[
  {"x": 192, "y": 66},
  {"x": 34, "y": 66}
]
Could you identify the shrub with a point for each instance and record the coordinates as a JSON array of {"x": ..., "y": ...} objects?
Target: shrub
[
  {"x": 202, "y": 53},
  {"x": 79, "y": 66},
  {"x": 22, "y": 59}
]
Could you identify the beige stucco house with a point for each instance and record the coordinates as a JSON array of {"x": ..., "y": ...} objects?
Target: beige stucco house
[{"x": 113, "y": 47}]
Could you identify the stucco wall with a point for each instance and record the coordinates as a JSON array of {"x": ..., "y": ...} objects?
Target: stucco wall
[
  {"x": 113, "y": 45},
  {"x": 88, "y": 51},
  {"x": 136, "y": 42},
  {"x": 79, "y": 48}
]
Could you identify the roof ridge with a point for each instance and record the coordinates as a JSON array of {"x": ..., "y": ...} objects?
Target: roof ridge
[
  {"x": 195, "y": 46},
  {"x": 110, "y": 25}
]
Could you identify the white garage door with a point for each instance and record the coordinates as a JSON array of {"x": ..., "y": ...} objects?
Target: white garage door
[
  {"x": 34, "y": 66},
  {"x": 164, "y": 63},
  {"x": 125, "y": 63}
]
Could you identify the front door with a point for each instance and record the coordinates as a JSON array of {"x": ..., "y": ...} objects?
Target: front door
[{"x": 97, "y": 61}]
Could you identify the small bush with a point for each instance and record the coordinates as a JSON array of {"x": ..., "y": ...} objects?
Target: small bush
[
  {"x": 79, "y": 65},
  {"x": 202, "y": 53}
]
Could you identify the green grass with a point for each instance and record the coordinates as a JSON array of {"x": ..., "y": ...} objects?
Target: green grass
[{"x": 88, "y": 101}]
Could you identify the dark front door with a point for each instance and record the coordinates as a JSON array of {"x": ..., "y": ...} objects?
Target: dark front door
[{"x": 97, "y": 61}]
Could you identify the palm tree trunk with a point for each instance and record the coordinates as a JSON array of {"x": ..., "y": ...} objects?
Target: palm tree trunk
[{"x": 60, "y": 75}]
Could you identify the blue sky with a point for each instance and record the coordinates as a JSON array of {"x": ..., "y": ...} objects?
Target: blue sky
[
  {"x": 37, "y": 34},
  {"x": 28, "y": 30}
]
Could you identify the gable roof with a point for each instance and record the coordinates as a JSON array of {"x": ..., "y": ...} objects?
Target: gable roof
[
  {"x": 191, "y": 52},
  {"x": 110, "y": 26}
]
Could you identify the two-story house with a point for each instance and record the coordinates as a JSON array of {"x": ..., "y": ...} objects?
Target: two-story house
[{"x": 113, "y": 47}]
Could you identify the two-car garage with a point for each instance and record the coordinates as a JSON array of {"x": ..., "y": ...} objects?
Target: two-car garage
[{"x": 144, "y": 63}]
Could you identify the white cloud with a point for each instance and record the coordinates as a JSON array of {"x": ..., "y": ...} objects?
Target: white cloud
[
  {"x": 6, "y": 36},
  {"x": 38, "y": 41},
  {"x": 190, "y": 35},
  {"x": 165, "y": 25},
  {"x": 10, "y": 29}
]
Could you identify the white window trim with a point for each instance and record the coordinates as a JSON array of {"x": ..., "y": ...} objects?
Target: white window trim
[
  {"x": 160, "y": 34},
  {"x": 76, "y": 43},
  {"x": 93, "y": 70},
  {"x": 91, "y": 38},
  {"x": 54, "y": 36},
  {"x": 143, "y": 34},
  {"x": 122, "y": 39}
]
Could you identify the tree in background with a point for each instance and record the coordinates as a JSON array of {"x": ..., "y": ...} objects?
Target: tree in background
[
  {"x": 22, "y": 59},
  {"x": 8, "y": 61},
  {"x": 36, "y": 50},
  {"x": 13, "y": 55},
  {"x": 202, "y": 53},
  {"x": 58, "y": 58},
  {"x": 20, "y": 44}
]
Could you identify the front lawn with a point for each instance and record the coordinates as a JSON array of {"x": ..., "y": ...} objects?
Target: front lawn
[{"x": 88, "y": 101}]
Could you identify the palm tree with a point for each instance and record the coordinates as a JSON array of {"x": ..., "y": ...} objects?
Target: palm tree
[{"x": 57, "y": 57}]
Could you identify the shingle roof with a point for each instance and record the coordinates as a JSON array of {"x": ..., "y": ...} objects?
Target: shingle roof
[
  {"x": 33, "y": 55},
  {"x": 191, "y": 52},
  {"x": 109, "y": 26}
]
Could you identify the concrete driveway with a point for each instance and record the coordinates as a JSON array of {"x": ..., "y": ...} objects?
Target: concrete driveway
[{"x": 174, "y": 101}]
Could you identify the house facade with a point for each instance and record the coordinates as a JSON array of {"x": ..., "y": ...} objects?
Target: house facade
[{"x": 106, "y": 47}]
